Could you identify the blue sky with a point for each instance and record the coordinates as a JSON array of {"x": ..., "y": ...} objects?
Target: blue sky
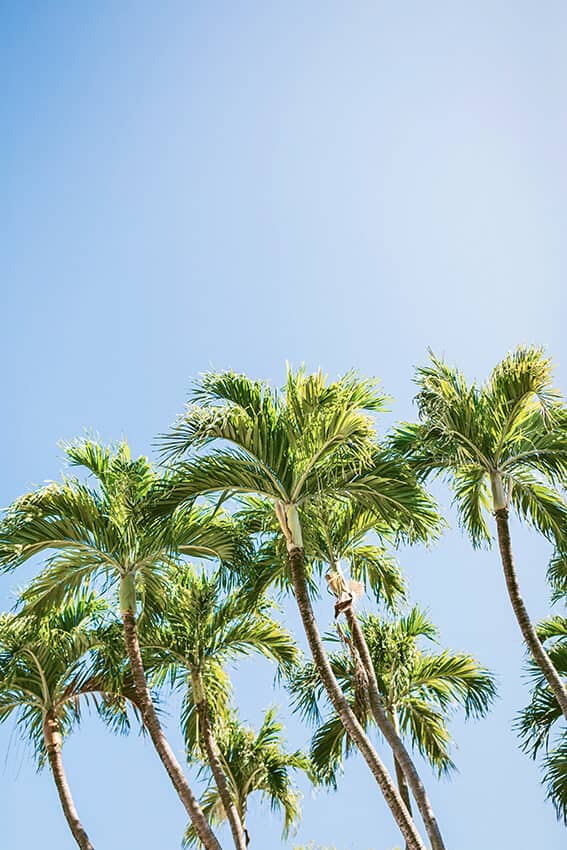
[{"x": 234, "y": 185}]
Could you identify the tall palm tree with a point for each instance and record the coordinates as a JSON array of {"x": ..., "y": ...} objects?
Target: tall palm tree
[
  {"x": 311, "y": 444},
  {"x": 541, "y": 724},
  {"x": 341, "y": 538},
  {"x": 420, "y": 689},
  {"x": 105, "y": 534},
  {"x": 203, "y": 630},
  {"x": 503, "y": 446},
  {"x": 255, "y": 763},
  {"x": 337, "y": 535},
  {"x": 47, "y": 672}
]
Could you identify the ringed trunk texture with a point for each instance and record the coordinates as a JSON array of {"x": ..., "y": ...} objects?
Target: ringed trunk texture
[
  {"x": 535, "y": 646},
  {"x": 160, "y": 742},
  {"x": 52, "y": 738},
  {"x": 401, "y": 755},
  {"x": 213, "y": 757},
  {"x": 343, "y": 709}
]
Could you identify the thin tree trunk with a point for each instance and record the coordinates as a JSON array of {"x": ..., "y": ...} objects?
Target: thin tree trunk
[
  {"x": 535, "y": 646},
  {"x": 400, "y": 778},
  {"x": 343, "y": 709},
  {"x": 52, "y": 738},
  {"x": 213, "y": 758},
  {"x": 160, "y": 742},
  {"x": 385, "y": 725}
]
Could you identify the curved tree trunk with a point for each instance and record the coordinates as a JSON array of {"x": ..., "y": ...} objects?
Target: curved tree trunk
[
  {"x": 535, "y": 646},
  {"x": 401, "y": 755},
  {"x": 160, "y": 742},
  {"x": 341, "y": 706},
  {"x": 236, "y": 827},
  {"x": 52, "y": 738}
]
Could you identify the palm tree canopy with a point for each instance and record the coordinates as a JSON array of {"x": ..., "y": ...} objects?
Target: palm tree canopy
[
  {"x": 203, "y": 631},
  {"x": 507, "y": 433},
  {"x": 541, "y": 725},
  {"x": 56, "y": 663},
  {"x": 255, "y": 763},
  {"x": 420, "y": 687},
  {"x": 107, "y": 531},
  {"x": 312, "y": 440}
]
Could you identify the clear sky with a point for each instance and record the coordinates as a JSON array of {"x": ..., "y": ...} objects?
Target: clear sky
[{"x": 189, "y": 185}]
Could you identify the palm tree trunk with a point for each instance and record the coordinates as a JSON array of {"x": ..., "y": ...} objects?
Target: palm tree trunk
[
  {"x": 52, "y": 738},
  {"x": 213, "y": 758},
  {"x": 343, "y": 709},
  {"x": 401, "y": 755},
  {"x": 160, "y": 742},
  {"x": 400, "y": 778},
  {"x": 535, "y": 646}
]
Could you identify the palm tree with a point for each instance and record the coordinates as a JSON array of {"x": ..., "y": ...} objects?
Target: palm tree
[
  {"x": 255, "y": 763},
  {"x": 312, "y": 444},
  {"x": 50, "y": 667},
  {"x": 106, "y": 535},
  {"x": 203, "y": 631},
  {"x": 335, "y": 534},
  {"x": 341, "y": 536},
  {"x": 420, "y": 690},
  {"x": 502, "y": 445},
  {"x": 540, "y": 724}
]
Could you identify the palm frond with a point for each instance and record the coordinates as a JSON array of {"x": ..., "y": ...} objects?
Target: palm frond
[
  {"x": 378, "y": 569},
  {"x": 523, "y": 376},
  {"x": 428, "y": 732},
  {"x": 540, "y": 505},
  {"x": 555, "y": 777},
  {"x": 255, "y": 764},
  {"x": 557, "y": 573},
  {"x": 452, "y": 679},
  {"x": 329, "y": 746},
  {"x": 473, "y": 501}
]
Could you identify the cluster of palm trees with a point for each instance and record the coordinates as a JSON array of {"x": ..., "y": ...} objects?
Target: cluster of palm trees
[{"x": 159, "y": 578}]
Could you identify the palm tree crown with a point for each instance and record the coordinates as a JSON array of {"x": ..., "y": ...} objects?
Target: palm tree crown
[
  {"x": 203, "y": 631},
  {"x": 420, "y": 690},
  {"x": 313, "y": 440},
  {"x": 52, "y": 665},
  {"x": 501, "y": 444},
  {"x": 107, "y": 533},
  {"x": 256, "y": 763}
]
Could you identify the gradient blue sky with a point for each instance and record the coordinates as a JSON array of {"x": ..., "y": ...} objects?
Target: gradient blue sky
[{"x": 187, "y": 185}]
